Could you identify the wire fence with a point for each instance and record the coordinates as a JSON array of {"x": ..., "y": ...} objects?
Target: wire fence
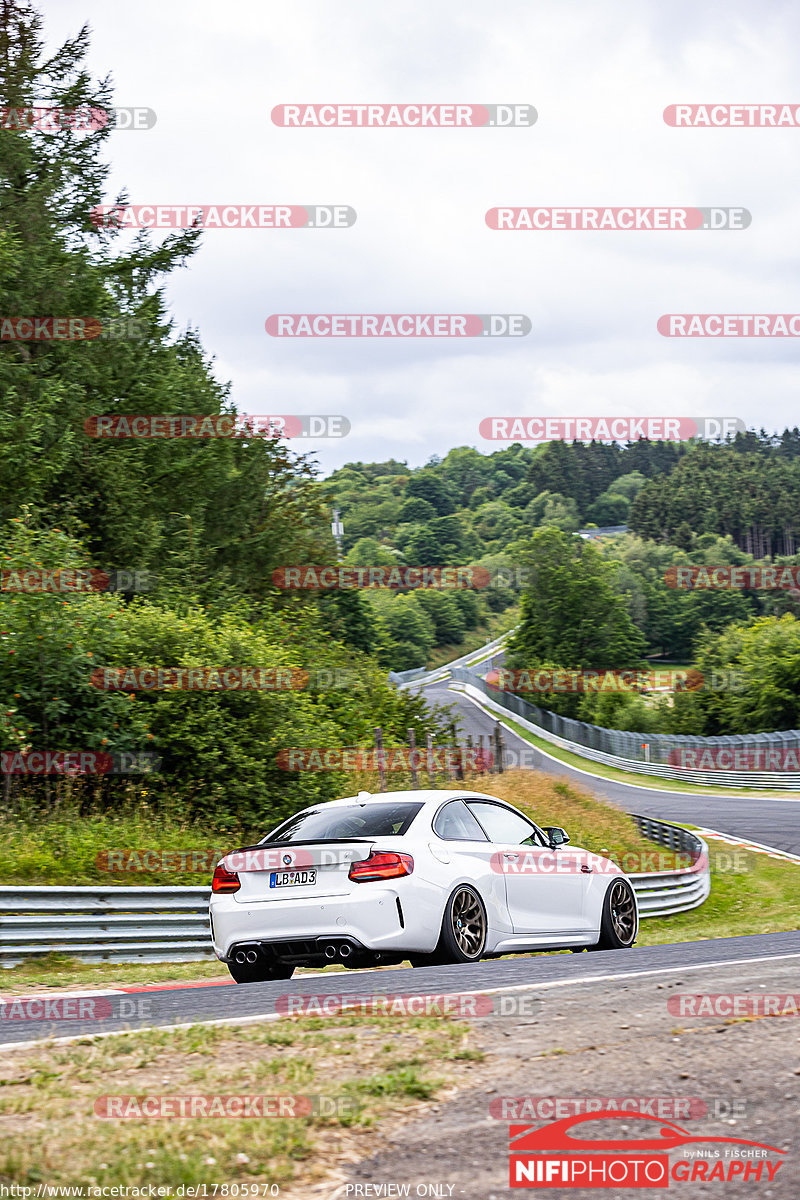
[{"x": 656, "y": 754}]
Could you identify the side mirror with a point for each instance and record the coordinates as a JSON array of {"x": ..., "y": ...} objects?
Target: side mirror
[{"x": 557, "y": 835}]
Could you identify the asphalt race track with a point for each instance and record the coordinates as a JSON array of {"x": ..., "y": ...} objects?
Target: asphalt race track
[
  {"x": 188, "y": 1004},
  {"x": 773, "y": 821}
]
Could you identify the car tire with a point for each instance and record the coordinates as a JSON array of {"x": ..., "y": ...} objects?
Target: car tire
[
  {"x": 259, "y": 972},
  {"x": 427, "y": 960},
  {"x": 618, "y": 923},
  {"x": 464, "y": 928}
]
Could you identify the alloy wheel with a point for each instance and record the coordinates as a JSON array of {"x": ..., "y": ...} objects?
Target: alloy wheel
[
  {"x": 469, "y": 923},
  {"x": 623, "y": 912}
]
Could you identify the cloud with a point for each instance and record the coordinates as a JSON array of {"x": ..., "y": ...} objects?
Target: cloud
[{"x": 599, "y": 76}]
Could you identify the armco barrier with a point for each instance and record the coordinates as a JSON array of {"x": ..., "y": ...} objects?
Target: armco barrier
[
  {"x": 422, "y": 676},
  {"x": 112, "y": 924},
  {"x": 623, "y": 749},
  {"x": 170, "y": 924},
  {"x": 662, "y": 893}
]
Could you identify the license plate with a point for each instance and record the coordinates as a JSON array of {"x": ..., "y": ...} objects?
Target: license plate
[{"x": 292, "y": 878}]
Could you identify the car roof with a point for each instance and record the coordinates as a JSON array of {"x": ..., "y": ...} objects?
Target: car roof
[{"x": 423, "y": 796}]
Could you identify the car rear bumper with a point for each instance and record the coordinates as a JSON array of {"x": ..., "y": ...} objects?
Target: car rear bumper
[{"x": 378, "y": 921}]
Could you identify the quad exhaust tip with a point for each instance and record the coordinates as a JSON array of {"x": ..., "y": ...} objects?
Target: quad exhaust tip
[{"x": 331, "y": 950}]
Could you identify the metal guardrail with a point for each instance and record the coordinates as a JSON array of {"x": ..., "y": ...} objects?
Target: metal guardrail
[
  {"x": 662, "y": 893},
  {"x": 420, "y": 674},
  {"x": 530, "y": 717},
  {"x": 111, "y": 924},
  {"x": 170, "y": 924}
]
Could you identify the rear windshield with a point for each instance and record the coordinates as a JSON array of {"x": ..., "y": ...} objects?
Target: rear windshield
[{"x": 355, "y": 821}]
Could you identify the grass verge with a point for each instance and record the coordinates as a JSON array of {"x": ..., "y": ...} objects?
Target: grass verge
[
  {"x": 61, "y": 971},
  {"x": 360, "y": 1070},
  {"x": 497, "y": 624}
]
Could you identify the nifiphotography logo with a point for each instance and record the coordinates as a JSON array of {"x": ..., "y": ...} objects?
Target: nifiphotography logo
[{"x": 554, "y": 1156}]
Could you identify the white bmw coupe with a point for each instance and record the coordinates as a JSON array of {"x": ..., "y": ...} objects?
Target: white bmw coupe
[{"x": 428, "y": 876}]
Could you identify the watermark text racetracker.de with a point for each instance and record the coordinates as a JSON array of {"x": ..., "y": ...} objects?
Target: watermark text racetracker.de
[
  {"x": 311, "y": 577},
  {"x": 68, "y": 580},
  {"x": 736, "y": 758},
  {"x": 452, "y": 1004},
  {"x": 403, "y": 116},
  {"x": 470, "y": 759},
  {"x": 221, "y": 679},
  {"x": 223, "y": 216},
  {"x": 751, "y": 116},
  {"x": 83, "y": 119},
  {"x": 732, "y": 1004},
  {"x": 216, "y": 425},
  {"x": 78, "y": 762},
  {"x": 199, "y": 679},
  {"x": 664, "y": 1108},
  {"x": 631, "y": 218},
  {"x": 727, "y": 325},
  {"x": 609, "y": 429},
  {"x": 566, "y": 861},
  {"x": 557, "y": 680},
  {"x": 151, "y": 1107},
  {"x": 561, "y": 680},
  {"x": 71, "y": 329},
  {"x": 75, "y": 1008},
  {"x": 397, "y": 325},
  {"x": 725, "y": 576}
]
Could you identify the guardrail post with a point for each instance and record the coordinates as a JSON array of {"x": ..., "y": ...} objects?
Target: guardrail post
[
  {"x": 498, "y": 765},
  {"x": 412, "y": 745},
  {"x": 484, "y": 752},
  {"x": 432, "y": 773},
  {"x": 458, "y": 770},
  {"x": 380, "y": 757}
]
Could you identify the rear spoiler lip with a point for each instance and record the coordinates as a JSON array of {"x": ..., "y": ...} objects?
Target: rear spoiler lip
[{"x": 308, "y": 842}]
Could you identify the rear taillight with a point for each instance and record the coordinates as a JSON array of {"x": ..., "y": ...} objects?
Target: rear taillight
[
  {"x": 382, "y": 864},
  {"x": 225, "y": 880}
]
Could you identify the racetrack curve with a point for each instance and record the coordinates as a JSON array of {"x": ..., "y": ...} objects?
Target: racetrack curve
[{"x": 772, "y": 821}]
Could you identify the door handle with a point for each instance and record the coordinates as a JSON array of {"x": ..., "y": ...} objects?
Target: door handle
[
  {"x": 586, "y": 870},
  {"x": 511, "y": 857}
]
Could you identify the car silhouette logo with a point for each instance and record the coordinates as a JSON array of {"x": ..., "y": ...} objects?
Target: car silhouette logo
[
  {"x": 287, "y": 858},
  {"x": 557, "y": 1136}
]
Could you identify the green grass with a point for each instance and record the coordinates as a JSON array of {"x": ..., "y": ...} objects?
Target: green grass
[
  {"x": 498, "y": 623},
  {"x": 762, "y": 898},
  {"x": 663, "y": 668},
  {"x": 52, "y": 1134},
  {"x": 61, "y": 971},
  {"x": 67, "y": 847}
]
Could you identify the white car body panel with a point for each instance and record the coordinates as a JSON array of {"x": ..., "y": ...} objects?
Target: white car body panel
[{"x": 535, "y": 909}]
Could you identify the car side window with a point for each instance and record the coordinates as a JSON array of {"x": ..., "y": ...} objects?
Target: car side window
[
  {"x": 503, "y": 825},
  {"x": 455, "y": 823}
]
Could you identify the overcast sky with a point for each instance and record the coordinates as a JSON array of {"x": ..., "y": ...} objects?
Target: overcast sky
[{"x": 599, "y": 76}]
